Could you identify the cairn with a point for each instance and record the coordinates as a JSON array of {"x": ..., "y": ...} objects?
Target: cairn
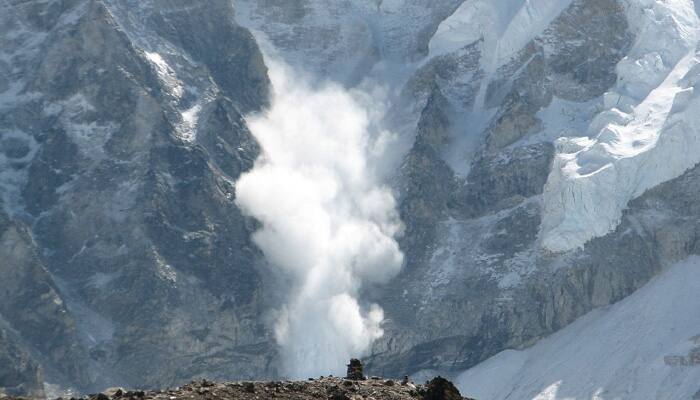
[{"x": 355, "y": 372}]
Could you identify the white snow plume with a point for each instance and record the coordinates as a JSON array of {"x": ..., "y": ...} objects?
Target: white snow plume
[{"x": 326, "y": 220}]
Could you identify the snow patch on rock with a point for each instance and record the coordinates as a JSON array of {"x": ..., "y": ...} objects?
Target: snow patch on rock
[
  {"x": 190, "y": 117},
  {"x": 166, "y": 74}
]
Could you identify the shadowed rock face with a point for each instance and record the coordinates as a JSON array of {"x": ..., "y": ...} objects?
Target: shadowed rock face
[
  {"x": 32, "y": 313},
  {"x": 132, "y": 252},
  {"x": 24, "y": 281},
  {"x": 20, "y": 374}
]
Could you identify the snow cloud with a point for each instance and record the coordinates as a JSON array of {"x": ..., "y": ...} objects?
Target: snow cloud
[{"x": 327, "y": 222}]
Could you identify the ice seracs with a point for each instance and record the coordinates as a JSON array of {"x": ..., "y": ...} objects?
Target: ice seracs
[{"x": 639, "y": 141}]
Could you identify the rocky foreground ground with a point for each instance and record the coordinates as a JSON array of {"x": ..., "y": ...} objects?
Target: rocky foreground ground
[{"x": 329, "y": 388}]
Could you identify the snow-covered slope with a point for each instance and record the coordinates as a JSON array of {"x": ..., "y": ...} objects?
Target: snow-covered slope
[
  {"x": 644, "y": 347},
  {"x": 639, "y": 140}
]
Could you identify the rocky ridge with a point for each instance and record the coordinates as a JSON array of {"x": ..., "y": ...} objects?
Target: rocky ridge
[{"x": 327, "y": 388}]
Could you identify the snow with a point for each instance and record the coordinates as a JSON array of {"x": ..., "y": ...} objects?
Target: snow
[
  {"x": 505, "y": 26},
  {"x": 640, "y": 348},
  {"x": 166, "y": 74},
  {"x": 640, "y": 139},
  {"x": 164, "y": 270},
  {"x": 563, "y": 118},
  {"x": 190, "y": 117},
  {"x": 327, "y": 221}
]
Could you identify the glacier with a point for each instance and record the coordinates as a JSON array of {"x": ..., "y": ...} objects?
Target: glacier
[{"x": 647, "y": 133}]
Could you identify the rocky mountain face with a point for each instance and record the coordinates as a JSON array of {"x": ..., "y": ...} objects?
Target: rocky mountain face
[
  {"x": 122, "y": 134},
  {"x": 473, "y": 235}
]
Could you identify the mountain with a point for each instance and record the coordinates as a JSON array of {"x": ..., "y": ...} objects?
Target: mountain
[
  {"x": 541, "y": 156},
  {"x": 125, "y": 246}
]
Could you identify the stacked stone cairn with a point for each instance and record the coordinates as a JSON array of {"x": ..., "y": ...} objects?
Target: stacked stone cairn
[{"x": 355, "y": 372}]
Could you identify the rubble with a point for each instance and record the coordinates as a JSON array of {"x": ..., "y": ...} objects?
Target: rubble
[{"x": 327, "y": 388}]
